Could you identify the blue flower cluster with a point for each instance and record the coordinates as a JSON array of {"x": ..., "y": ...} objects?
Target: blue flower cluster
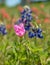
[
  {"x": 35, "y": 33},
  {"x": 26, "y": 14},
  {"x": 3, "y": 30},
  {"x": 26, "y": 17}
]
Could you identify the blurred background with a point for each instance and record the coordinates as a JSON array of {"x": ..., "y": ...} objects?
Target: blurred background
[{"x": 12, "y": 3}]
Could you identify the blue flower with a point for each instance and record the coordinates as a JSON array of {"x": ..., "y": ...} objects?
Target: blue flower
[
  {"x": 26, "y": 14},
  {"x": 23, "y": 16},
  {"x": 27, "y": 26},
  {"x": 29, "y": 17},
  {"x": 3, "y": 30},
  {"x": 39, "y": 35},
  {"x": 31, "y": 35},
  {"x": 37, "y": 32},
  {"x": 23, "y": 12}
]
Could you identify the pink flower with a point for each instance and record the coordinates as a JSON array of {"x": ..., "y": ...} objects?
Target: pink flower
[{"x": 19, "y": 29}]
